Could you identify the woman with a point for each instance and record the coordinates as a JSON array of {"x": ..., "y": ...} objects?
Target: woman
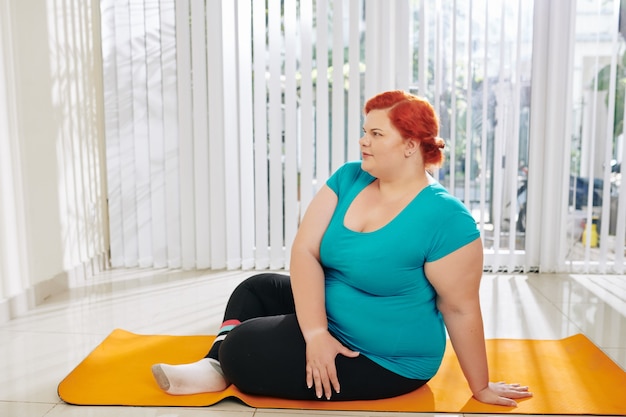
[{"x": 383, "y": 259}]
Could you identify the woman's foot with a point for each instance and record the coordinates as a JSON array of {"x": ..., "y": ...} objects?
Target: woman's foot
[{"x": 192, "y": 378}]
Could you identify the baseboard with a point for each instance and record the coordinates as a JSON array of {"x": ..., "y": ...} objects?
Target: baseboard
[
  {"x": 4, "y": 311},
  {"x": 30, "y": 298},
  {"x": 34, "y": 296}
]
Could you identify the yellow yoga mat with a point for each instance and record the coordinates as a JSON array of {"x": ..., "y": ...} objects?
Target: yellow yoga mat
[{"x": 568, "y": 376}]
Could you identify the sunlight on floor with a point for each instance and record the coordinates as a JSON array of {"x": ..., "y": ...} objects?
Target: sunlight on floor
[{"x": 42, "y": 346}]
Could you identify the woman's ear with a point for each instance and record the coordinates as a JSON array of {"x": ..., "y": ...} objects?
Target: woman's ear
[{"x": 411, "y": 146}]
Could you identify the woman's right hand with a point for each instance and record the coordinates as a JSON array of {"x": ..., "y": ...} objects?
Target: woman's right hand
[
  {"x": 321, "y": 350},
  {"x": 501, "y": 393}
]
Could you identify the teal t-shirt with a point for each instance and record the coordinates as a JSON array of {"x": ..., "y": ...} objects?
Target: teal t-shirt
[{"x": 378, "y": 300}]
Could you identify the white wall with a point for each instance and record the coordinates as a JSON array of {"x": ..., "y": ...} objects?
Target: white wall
[
  {"x": 52, "y": 79},
  {"x": 37, "y": 127}
]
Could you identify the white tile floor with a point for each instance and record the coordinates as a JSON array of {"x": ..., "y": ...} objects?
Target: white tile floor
[{"x": 41, "y": 347}]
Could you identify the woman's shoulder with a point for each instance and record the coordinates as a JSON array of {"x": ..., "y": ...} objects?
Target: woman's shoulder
[
  {"x": 353, "y": 167},
  {"x": 450, "y": 222},
  {"x": 350, "y": 173},
  {"x": 442, "y": 202}
]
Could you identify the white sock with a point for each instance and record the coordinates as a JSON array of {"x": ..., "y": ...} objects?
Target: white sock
[{"x": 191, "y": 378}]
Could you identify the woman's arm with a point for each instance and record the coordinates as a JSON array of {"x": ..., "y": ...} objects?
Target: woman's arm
[
  {"x": 307, "y": 282},
  {"x": 456, "y": 279},
  {"x": 307, "y": 276}
]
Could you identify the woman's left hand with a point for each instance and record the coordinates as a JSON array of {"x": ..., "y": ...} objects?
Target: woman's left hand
[{"x": 500, "y": 393}]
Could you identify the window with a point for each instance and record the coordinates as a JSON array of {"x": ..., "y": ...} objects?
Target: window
[{"x": 472, "y": 60}]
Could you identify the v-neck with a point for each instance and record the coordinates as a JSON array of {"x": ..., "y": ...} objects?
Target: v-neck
[{"x": 349, "y": 204}]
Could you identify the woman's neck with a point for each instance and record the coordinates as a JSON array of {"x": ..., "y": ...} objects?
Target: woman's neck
[{"x": 396, "y": 188}]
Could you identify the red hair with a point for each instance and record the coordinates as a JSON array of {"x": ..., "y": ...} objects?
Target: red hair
[{"x": 414, "y": 118}]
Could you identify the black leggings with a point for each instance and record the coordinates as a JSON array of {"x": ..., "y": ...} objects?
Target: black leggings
[{"x": 265, "y": 354}]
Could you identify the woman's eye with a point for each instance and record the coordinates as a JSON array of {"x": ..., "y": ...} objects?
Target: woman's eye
[{"x": 372, "y": 133}]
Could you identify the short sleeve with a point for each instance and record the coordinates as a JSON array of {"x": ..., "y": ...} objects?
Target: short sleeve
[{"x": 456, "y": 229}]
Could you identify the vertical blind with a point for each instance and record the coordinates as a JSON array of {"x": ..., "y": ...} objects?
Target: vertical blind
[
  {"x": 222, "y": 119},
  {"x": 52, "y": 194},
  {"x": 225, "y": 117},
  {"x": 13, "y": 265},
  {"x": 597, "y": 226},
  {"x": 473, "y": 61}
]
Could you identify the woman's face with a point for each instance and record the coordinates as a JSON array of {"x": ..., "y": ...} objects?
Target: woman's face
[{"x": 382, "y": 147}]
